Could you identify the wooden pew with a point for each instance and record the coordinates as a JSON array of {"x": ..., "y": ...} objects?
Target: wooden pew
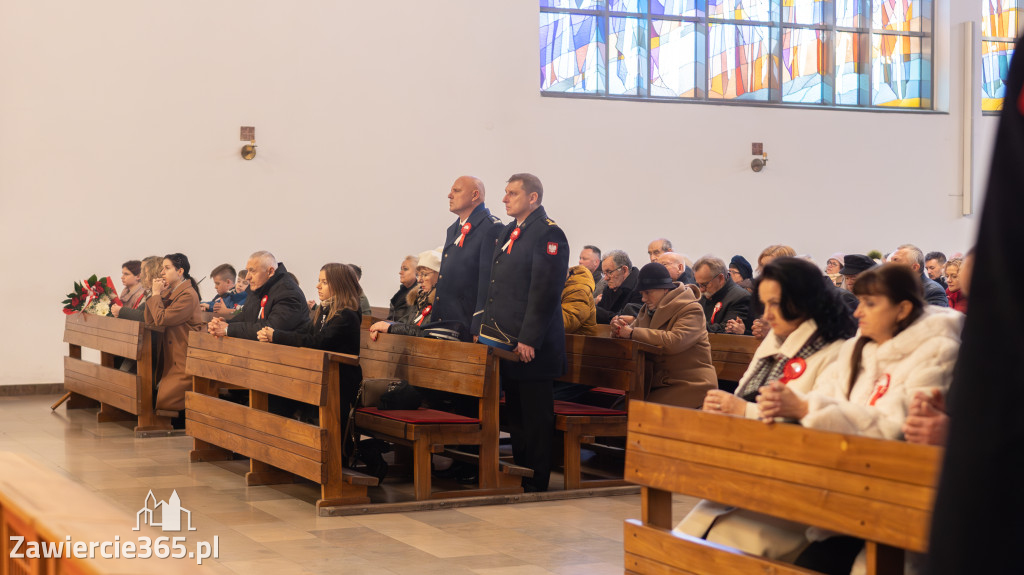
[
  {"x": 120, "y": 395},
  {"x": 616, "y": 365},
  {"x": 877, "y": 490},
  {"x": 731, "y": 354},
  {"x": 43, "y": 506},
  {"x": 276, "y": 446},
  {"x": 462, "y": 368}
]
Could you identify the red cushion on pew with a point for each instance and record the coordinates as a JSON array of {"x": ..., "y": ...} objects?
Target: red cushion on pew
[
  {"x": 420, "y": 415},
  {"x": 608, "y": 391},
  {"x": 569, "y": 408}
]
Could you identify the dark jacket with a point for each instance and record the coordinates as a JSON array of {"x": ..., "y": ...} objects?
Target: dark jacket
[
  {"x": 613, "y": 300},
  {"x": 420, "y": 312},
  {"x": 524, "y": 297},
  {"x": 735, "y": 303},
  {"x": 340, "y": 335},
  {"x": 283, "y": 303},
  {"x": 399, "y": 307},
  {"x": 933, "y": 292},
  {"x": 462, "y": 280}
]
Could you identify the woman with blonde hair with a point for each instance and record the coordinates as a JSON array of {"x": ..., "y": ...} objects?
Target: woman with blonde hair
[{"x": 150, "y": 270}]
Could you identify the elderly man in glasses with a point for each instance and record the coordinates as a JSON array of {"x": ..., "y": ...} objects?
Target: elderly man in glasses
[
  {"x": 723, "y": 299},
  {"x": 621, "y": 291}
]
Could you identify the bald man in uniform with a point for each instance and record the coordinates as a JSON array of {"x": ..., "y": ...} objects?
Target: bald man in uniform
[{"x": 466, "y": 260}]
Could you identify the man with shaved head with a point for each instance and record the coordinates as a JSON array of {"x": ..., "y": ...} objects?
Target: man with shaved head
[
  {"x": 467, "y": 255},
  {"x": 276, "y": 301},
  {"x": 675, "y": 263}
]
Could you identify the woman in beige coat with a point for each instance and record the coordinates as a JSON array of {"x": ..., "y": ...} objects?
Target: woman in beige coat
[
  {"x": 673, "y": 321},
  {"x": 177, "y": 311}
]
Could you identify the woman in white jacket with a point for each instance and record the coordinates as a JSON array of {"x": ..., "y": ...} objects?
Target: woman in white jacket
[
  {"x": 903, "y": 347},
  {"x": 808, "y": 324}
]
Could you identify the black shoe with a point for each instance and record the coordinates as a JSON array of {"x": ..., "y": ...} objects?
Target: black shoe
[{"x": 371, "y": 452}]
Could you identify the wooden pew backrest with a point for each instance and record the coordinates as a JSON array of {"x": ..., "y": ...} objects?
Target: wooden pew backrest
[
  {"x": 732, "y": 354},
  {"x": 877, "y": 490},
  {"x": 435, "y": 364}
]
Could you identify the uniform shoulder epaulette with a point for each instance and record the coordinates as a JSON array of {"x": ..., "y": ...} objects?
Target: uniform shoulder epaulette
[
  {"x": 550, "y": 222},
  {"x": 495, "y": 220}
]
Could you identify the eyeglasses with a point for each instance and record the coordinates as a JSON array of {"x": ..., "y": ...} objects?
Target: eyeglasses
[
  {"x": 424, "y": 275},
  {"x": 704, "y": 286},
  {"x": 614, "y": 271}
]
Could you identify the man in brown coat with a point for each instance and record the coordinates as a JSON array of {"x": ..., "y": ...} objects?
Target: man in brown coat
[{"x": 672, "y": 320}]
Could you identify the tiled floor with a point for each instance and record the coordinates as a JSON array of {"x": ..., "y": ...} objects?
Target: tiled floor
[{"x": 276, "y": 529}]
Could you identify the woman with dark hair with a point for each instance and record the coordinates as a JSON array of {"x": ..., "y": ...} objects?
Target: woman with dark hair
[
  {"x": 808, "y": 323},
  {"x": 903, "y": 346},
  {"x": 336, "y": 329},
  {"x": 174, "y": 305},
  {"x": 133, "y": 293}
]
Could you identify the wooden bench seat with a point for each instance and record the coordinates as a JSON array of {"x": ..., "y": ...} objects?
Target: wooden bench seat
[
  {"x": 880, "y": 491},
  {"x": 278, "y": 447},
  {"x": 120, "y": 395},
  {"x": 731, "y": 355},
  {"x": 617, "y": 367},
  {"x": 456, "y": 367}
]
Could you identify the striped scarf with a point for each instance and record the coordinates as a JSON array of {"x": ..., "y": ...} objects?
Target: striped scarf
[{"x": 770, "y": 368}]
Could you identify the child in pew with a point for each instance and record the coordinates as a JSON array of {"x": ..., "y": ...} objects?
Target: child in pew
[
  {"x": 227, "y": 299},
  {"x": 336, "y": 328}
]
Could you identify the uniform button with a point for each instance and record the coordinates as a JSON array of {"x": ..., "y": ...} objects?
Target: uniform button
[
  {"x": 439, "y": 276},
  {"x": 445, "y": 255},
  {"x": 492, "y": 281},
  {"x": 491, "y": 300}
]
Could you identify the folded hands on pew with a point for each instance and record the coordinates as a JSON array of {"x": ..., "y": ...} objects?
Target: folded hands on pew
[
  {"x": 927, "y": 421},
  {"x": 724, "y": 402},
  {"x": 266, "y": 335},
  {"x": 218, "y": 327},
  {"x": 777, "y": 400},
  {"x": 380, "y": 326},
  {"x": 622, "y": 326}
]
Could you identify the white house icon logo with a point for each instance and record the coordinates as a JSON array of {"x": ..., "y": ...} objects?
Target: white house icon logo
[{"x": 170, "y": 513}]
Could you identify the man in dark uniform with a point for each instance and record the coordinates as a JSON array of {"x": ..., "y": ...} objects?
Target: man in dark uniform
[
  {"x": 466, "y": 263},
  {"x": 524, "y": 307}
]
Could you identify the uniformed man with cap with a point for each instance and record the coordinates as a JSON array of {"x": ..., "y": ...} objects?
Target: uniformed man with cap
[
  {"x": 466, "y": 260},
  {"x": 523, "y": 314}
]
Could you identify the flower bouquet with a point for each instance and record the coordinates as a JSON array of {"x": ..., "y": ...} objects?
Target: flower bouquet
[{"x": 93, "y": 296}]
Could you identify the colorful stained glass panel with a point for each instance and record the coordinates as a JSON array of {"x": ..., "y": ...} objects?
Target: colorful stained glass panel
[
  {"x": 677, "y": 7},
  {"x": 627, "y": 56},
  {"x": 740, "y": 63},
  {"x": 802, "y": 11},
  {"x": 995, "y": 63},
  {"x": 1001, "y": 19},
  {"x": 760, "y": 10},
  {"x": 850, "y": 81},
  {"x": 848, "y": 14},
  {"x": 901, "y": 15},
  {"x": 803, "y": 66},
  {"x": 573, "y": 4},
  {"x": 571, "y": 53},
  {"x": 675, "y": 65},
  {"x": 631, "y": 6},
  {"x": 900, "y": 72}
]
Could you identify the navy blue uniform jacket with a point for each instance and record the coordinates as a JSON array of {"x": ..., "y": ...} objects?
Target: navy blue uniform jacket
[
  {"x": 462, "y": 283},
  {"x": 524, "y": 297}
]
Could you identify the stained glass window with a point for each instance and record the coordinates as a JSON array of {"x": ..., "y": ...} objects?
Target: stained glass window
[
  {"x": 838, "y": 53},
  {"x": 1000, "y": 24}
]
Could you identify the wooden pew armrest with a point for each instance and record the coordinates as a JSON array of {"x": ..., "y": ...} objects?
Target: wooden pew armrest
[{"x": 342, "y": 358}]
